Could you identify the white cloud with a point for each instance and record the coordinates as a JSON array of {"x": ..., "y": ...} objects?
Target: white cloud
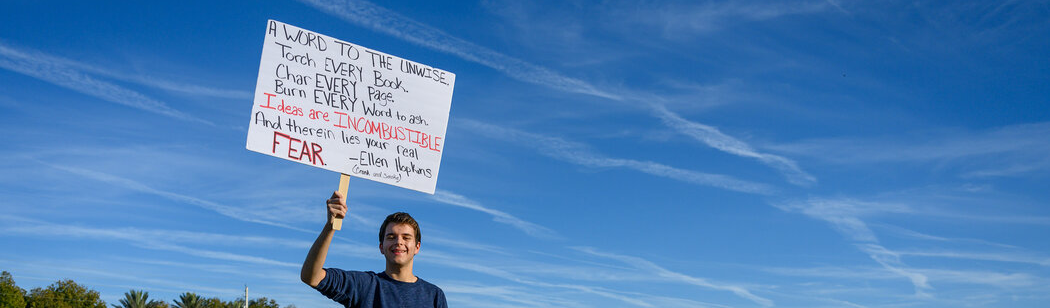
[
  {"x": 1006, "y": 281},
  {"x": 461, "y": 244},
  {"x": 714, "y": 138},
  {"x": 688, "y": 19},
  {"x": 228, "y": 211},
  {"x": 57, "y": 71},
  {"x": 144, "y": 80},
  {"x": 983, "y": 256},
  {"x": 890, "y": 260},
  {"x": 657, "y": 270},
  {"x": 1004, "y": 151},
  {"x": 923, "y": 236},
  {"x": 47, "y": 267},
  {"x": 508, "y": 296},
  {"x": 834, "y": 272},
  {"x": 379, "y": 19},
  {"x": 845, "y": 216},
  {"x": 168, "y": 85},
  {"x": 580, "y": 154},
  {"x": 529, "y": 228},
  {"x": 987, "y": 278},
  {"x": 458, "y": 262},
  {"x": 151, "y": 239}
]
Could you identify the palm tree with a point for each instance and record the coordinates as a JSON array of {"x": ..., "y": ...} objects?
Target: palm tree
[
  {"x": 138, "y": 299},
  {"x": 189, "y": 300}
]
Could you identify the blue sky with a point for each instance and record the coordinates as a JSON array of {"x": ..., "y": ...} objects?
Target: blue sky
[{"x": 627, "y": 154}]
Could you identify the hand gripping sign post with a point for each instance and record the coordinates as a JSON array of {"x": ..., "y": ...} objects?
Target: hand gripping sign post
[{"x": 339, "y": 106}]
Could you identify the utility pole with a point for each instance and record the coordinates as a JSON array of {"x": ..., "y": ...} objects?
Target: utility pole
[{"x": 245, "y": 296}]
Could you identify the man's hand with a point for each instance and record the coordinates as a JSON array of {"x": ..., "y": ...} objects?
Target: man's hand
[{"x": 336, "y": 207}]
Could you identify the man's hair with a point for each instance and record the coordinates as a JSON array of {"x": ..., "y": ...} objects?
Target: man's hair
[{"x": 400, "y": 218}]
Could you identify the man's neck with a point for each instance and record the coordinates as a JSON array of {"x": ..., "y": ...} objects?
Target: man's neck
[{"x": 400, "y": 273}]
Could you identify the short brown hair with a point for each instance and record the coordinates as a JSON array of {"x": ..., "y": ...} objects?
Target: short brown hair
[{"x": 400, "y": 218}]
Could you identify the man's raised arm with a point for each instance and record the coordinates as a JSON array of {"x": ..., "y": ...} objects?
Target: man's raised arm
[{"x": 312, "y": 272}]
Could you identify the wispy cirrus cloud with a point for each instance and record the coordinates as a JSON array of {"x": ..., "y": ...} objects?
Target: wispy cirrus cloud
[
  {"x": 580, "y": 154},
  {"x": 529, "y": 228},
  {"x": 1003, "y": 151},
  {"x": 225, "y": 210},
  {"x": 544, "y": 278},
  {"x": 1007, "y": 282},
  {"x": 922, "y": 275},
  {"x": 845, "y": 215},
  {"x": 456, "y": 261},
  {"x": 379, "y": 19},
  {"x": 986, "y": 278},
  {"x": 922, "y": 236},
  {"x": 149, "y": 239},
  {"x": 58, "y": 71},
  {"x": 45, "y": 267},
  {"x": 145, "y": 80},
  {"x": 659, "y": 271},
  {"x": 665, "y": 23},
  {"x": 690, "y": 18},
  {"x": 169, "y": 85},
  {"x": 714, "y": 138},
  {"x": 473, "y": 295},
  {"x": 981, "y": 256},
  {"x": 865, "y": 273},
  {"x": 890, "y": 260}
]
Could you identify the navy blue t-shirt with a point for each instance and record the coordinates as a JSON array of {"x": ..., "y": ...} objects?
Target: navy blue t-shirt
[{"x": 368, "y": 289}]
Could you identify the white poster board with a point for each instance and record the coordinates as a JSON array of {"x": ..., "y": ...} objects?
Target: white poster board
[{"x": 339, "y": 106}]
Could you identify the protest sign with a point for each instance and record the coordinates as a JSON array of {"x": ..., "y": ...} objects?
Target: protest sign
[{"x": 339, "y": 106}]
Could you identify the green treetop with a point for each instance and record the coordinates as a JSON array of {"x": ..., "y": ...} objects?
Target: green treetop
[
  {"x": 64, "y": 294},
  {"x": 10, "y": 294}
]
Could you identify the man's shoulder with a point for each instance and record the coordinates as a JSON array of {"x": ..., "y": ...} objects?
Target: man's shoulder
[
  {"x": 428, "y": 285},
  {"x": 352, "y": 272},
  {"x": 338, "y": 275},
  {"x": 433, "y": 292},
  {"x": 369, "y": 273}
]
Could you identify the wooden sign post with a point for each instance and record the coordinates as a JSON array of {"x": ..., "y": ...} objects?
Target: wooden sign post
[
  {"x": 336, "y": 105},
  {"x": 344, "y": 187}
]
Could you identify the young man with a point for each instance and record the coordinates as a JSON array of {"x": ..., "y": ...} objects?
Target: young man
[{"x": 399, "y": 242}]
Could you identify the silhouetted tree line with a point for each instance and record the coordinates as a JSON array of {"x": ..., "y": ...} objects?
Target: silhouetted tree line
[{"x": 69, "y": 294}]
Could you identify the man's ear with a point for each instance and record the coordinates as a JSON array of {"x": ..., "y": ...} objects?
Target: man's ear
[{"x": 418, "y": 244}]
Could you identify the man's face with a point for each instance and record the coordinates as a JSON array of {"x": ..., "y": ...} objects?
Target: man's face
[{"x": 399, "y": 244}]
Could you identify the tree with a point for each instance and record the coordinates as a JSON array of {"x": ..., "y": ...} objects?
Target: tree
[
  {"x": 263, "y": 302},
  {"x": 190, "y": 300},
  {"x": 215, "y": 302},
  {"x": 64, "y": 294},
  {"x": 11, "y": 296},
  {"x": 139, "y": 299},
  {"x": 239, "y": 303}
]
